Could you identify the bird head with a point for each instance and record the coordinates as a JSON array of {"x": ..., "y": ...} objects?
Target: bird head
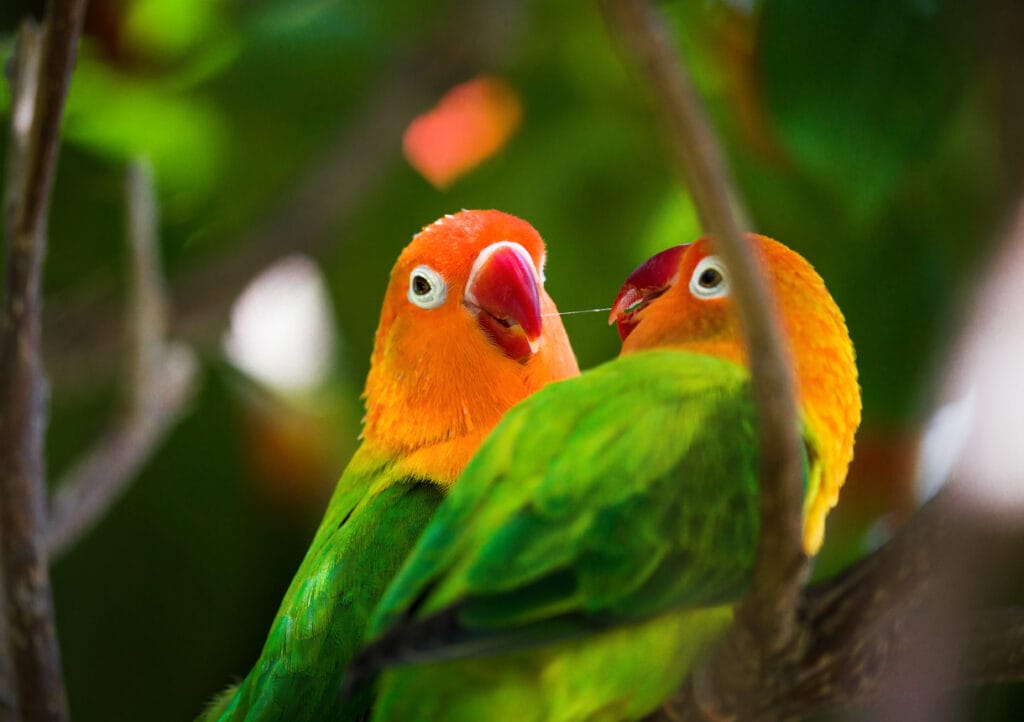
[
  {"x": 466, "y": 331},
  {"x": 680, "y": 298}
]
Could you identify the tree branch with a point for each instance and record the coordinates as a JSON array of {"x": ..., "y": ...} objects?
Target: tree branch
[
  {"x": 160, "y": 382},
  {"x": 863, "y": 624},
  {"x": 23, "y": 78},
  {"x": 858, "y": 622},
  {"x": 766, "y": 621},
  {"x": 35, "y": 127},
  {"x": 997, "y": 648}
]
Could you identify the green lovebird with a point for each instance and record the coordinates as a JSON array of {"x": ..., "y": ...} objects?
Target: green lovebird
[
  {"x": 597, "y": 544},
  {"x": 466, "y": 331}
]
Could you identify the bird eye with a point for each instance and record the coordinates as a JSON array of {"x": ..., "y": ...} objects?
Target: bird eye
[
  {"x": 427, "y": 288},
  {"x": 708, "y": 279}
]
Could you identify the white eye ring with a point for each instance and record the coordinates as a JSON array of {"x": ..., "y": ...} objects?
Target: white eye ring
[
  {"x": 709, "y": 279},
  {"x": 427, "y": 288}
]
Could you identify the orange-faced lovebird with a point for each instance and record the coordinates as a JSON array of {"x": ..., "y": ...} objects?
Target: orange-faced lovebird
[
  {"x": 599, "y": 541},
  {"x": 466, "y": 331}
]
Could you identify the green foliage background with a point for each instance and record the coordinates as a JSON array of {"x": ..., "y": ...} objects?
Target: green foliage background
[{"x": 877, "y": 137}]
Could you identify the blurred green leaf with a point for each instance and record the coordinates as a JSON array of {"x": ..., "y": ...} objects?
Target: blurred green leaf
[
  {"x": 172, "y": 27},
  {"x": 861, "y": 89},
  {"x": 183, "y": 135}
]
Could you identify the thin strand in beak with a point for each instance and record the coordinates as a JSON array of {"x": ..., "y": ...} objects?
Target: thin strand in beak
[{"x": 585, "y": 310}]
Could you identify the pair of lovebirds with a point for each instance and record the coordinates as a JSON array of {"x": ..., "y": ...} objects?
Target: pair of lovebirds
[{"x": 573, "y": 561}]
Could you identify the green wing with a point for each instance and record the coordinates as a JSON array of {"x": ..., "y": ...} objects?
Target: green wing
[
  {"x": 359, "y": 546},
  {"x": 599, "y": 501}
]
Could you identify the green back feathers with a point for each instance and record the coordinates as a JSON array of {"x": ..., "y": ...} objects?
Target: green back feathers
[
  {"x": 590, "y": 553},
  {"x": 611, "y": 497}
]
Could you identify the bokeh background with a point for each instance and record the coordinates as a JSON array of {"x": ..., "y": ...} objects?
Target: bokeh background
[{"x": 883, "y": 139}]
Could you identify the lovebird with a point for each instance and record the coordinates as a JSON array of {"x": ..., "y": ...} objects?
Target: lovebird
[
  {"x": 466, "y": 331},
  {"x": 597, "y": 544}
]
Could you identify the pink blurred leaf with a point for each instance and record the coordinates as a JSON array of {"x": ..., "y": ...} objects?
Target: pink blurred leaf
[{"x": 470, "y": 123}]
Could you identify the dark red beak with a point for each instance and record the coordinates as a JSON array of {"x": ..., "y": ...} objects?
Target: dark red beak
[
  {"x": 650, "y": 279},
  {"x": 503, "y": 293}
]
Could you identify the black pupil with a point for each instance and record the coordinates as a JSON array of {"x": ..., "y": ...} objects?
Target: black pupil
[
  {"x": 420, "y": 286},
  {"x": 709, "y": 278}
]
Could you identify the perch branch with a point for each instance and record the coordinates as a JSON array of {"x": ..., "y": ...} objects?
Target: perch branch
[
  {"x": 161, "y": 379},
  {"x": 862, "y": 622},
  {"x": 997, "y": 649},
  {"x": 858, "y": 621},
  {"x": 766, "y": 621},
  {"x": 35, "y": 125}
]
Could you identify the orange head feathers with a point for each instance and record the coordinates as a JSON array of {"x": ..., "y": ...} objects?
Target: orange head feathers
[
  {"x": 693, "y": 312},
  {"x": 466, "y": 331}
]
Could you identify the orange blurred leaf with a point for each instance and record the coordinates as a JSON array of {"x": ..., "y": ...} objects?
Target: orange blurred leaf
[{"x": 470, "y": 123}]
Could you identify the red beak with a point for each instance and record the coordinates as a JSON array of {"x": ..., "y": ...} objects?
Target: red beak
[
  {"x": 650, "y": 279},
  {"x": 503, "y": 293}
]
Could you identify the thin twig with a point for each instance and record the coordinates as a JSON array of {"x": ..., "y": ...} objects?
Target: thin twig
[
  {"x": 146, "y": 310},
  {"x": 338, "y": 182},
  {"x": 766, "y": 619},
  {"x": 23, "y": 391},
  {"x": 160, "y": 382}
]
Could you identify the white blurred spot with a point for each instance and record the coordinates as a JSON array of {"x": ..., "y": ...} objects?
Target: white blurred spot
[
  {"x": 990, "y": 476},
  {"x": 282, "y": 332},
  {"x": 942, "y": 444}
]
